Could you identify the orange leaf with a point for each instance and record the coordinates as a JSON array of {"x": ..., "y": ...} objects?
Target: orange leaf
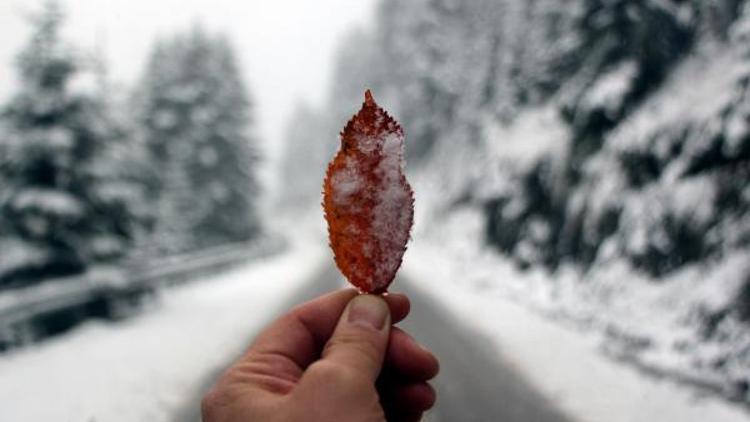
[{"x": 368, "y": 203}]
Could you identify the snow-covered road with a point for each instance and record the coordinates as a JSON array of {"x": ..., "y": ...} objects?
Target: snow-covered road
[
  {"x": 560, "y": 363},
  {"x": 474, "y": 384}
]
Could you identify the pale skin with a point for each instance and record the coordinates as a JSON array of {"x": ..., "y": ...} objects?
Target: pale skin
[{"x": 335, "y": 358}]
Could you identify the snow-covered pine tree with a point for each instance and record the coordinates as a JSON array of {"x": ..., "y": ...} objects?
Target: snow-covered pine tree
[
  {"x": 195, "y": 115},
  {"x": 62, "y": 202}
]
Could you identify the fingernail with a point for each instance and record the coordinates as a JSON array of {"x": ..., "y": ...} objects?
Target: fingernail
[{"x": 369, "y": 311}]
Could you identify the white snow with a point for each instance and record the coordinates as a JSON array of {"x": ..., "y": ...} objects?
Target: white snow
[
  {"x": 48, "y": 200},
  {"x": 392, "y": 215},
  {"x": 144, "y": 368},
  {"x": 534, "y": 133},
  {"x": 15, "y": 253},
  {"x": 696, "y": 92},
  {"x": 610, "y": 89},
  {"x": 346, "y": 182},
  {"x": 57, "y": 138}
]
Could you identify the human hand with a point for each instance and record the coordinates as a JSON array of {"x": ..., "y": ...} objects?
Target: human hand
[{"x": 335, "y": 358}]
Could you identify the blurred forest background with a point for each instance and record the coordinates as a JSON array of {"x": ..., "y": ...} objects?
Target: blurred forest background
[
  {"x": 582, "y": 129},
  {"x": 604, "y": 144},
  {"x": 88, "y": 179}
]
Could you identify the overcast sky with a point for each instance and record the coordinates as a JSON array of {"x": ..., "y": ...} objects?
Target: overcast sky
[{"x": 285, "y": 46}]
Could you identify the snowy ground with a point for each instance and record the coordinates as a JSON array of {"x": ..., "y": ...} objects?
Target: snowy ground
[
  {"x": 564, "y": 361},
  {"x": 142, "y": 369}
]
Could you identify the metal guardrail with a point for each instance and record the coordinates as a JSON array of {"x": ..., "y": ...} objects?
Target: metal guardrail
[{"x": 35, "y": 312}]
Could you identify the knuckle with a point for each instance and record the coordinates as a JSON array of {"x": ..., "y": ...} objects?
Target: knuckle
[
  {"x": 355, "y": 344},
  {"x": 212, "y": 404},
  {"x": 335, "y": 374}
]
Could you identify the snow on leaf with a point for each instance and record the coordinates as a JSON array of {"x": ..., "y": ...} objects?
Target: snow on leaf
[{"x": 368, "y": 202}]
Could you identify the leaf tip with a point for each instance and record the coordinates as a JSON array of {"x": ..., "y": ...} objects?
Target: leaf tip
[{"x": 368, "y": 98}]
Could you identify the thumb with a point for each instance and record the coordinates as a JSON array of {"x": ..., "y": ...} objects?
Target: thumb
[{"x": 360, "y": 339}]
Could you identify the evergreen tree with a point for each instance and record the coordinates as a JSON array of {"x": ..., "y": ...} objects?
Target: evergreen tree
[
  {"x": 61, "y": 195},
  {"x": 195, "y": 115}
]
